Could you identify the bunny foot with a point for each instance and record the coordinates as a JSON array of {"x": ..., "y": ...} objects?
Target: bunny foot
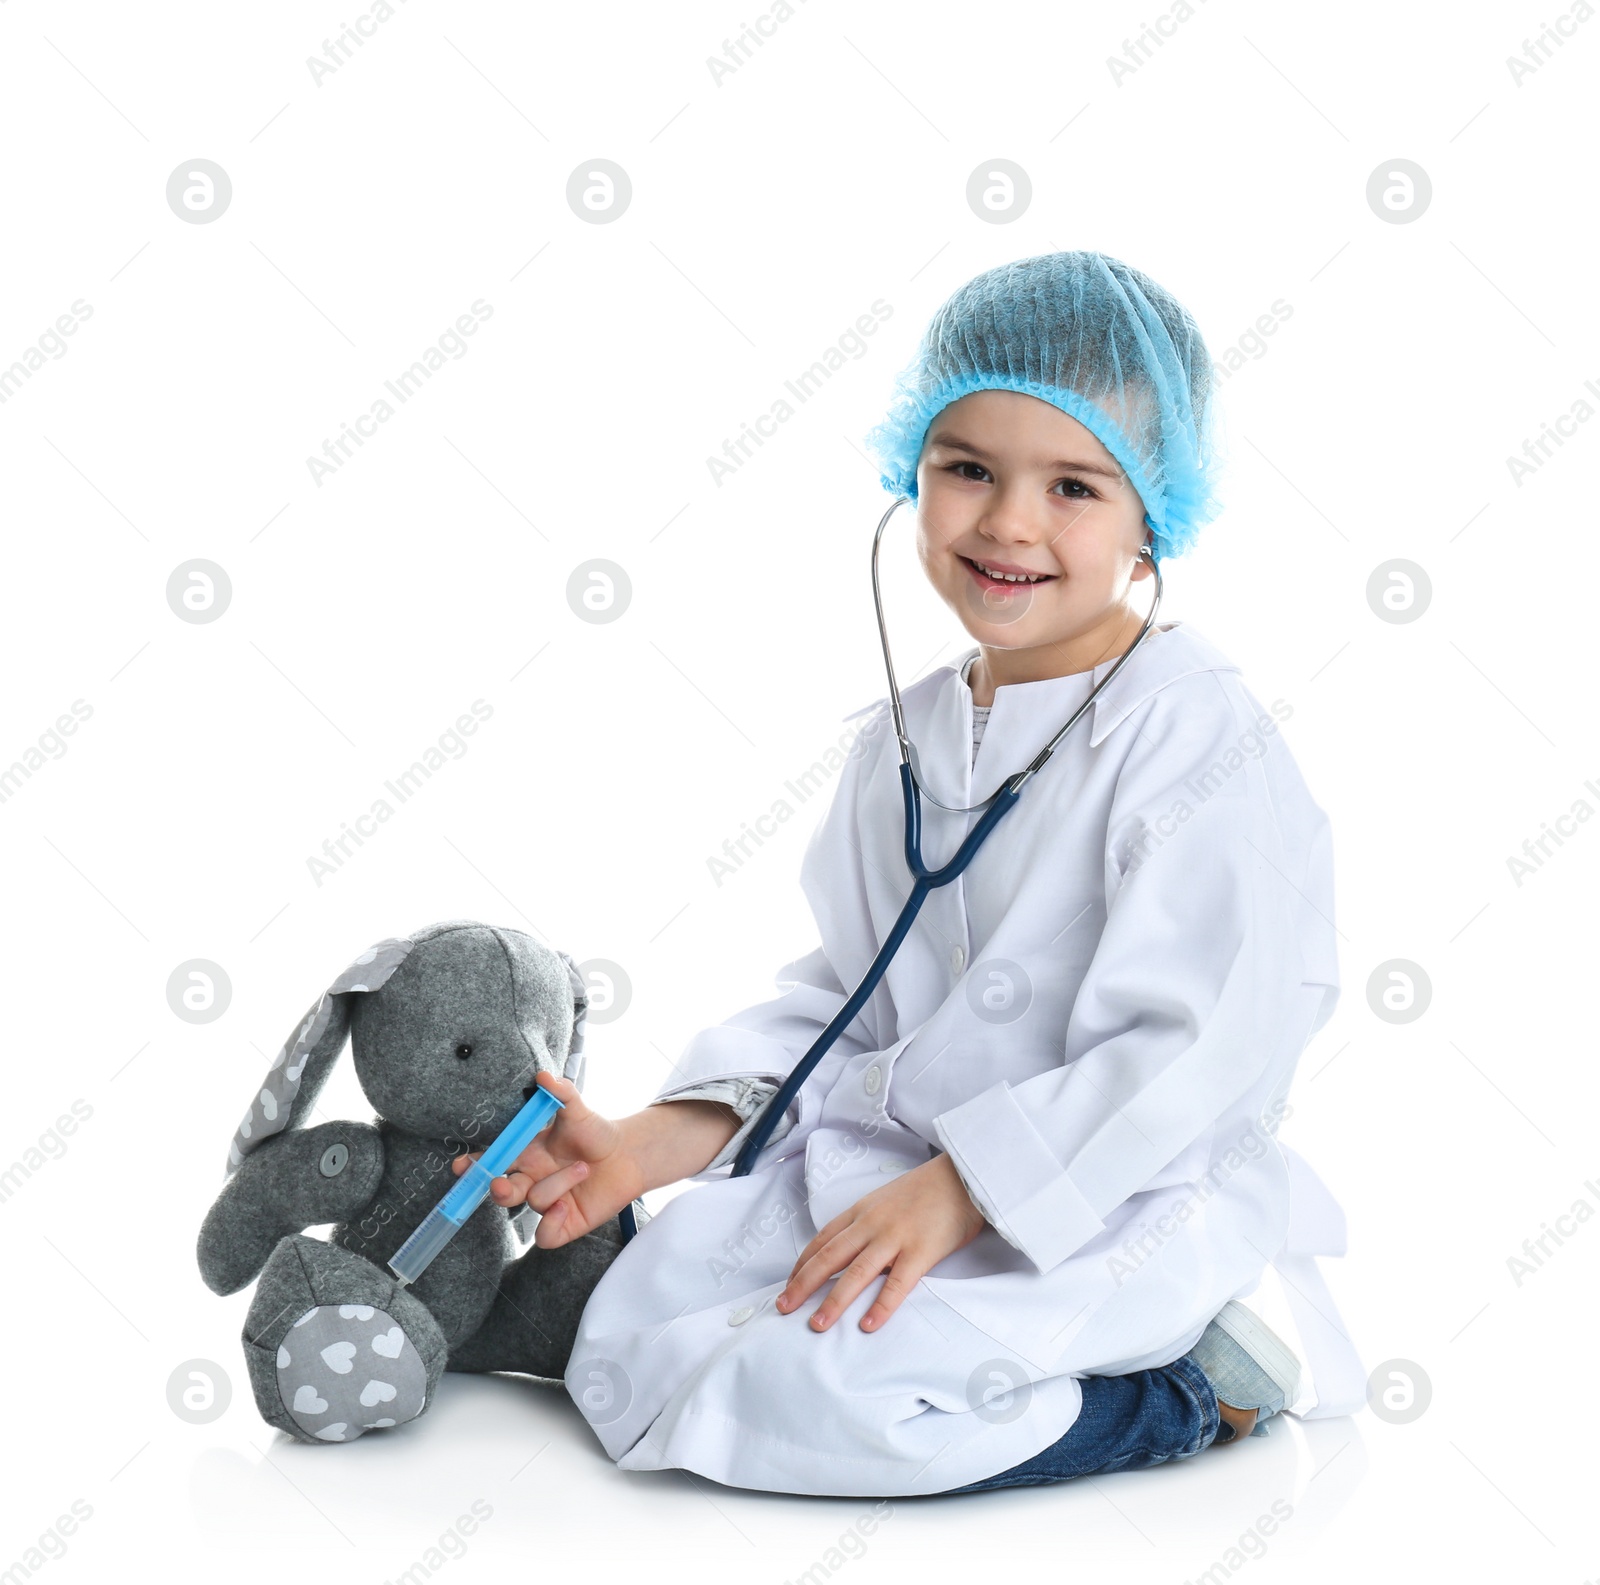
[{"x": 336, "y": 1347}]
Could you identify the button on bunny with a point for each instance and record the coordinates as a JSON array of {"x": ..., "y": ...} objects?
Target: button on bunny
[{"x": 448, "y": 1029}]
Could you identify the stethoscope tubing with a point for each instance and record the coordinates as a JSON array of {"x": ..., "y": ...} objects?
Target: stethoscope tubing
[{"x": 924, "y": 880}]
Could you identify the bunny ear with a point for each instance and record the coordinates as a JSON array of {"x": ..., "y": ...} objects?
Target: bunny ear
[
  {"x": 303, "y": 1064},
  {"x": 576, "y": 1062}
]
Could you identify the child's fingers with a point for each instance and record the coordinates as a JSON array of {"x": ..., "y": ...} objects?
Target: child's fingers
[
  {"x": 865, "y": 1268},
  {"x": 538, "y": 1160},
  {"x": 510, "y": 1190},
  {"x": 555, "y": 1226},
  {"x": 522, "y": 1188},
  {"x": 825, "y": 1236},
  {"x": 535, "y": 1162},
  {"x": 573, "y": 1108},
  {"x": 810, "y": 1272},
  {"x": 906, "y": 1272},
  {"x": 544, "y": 1194}
]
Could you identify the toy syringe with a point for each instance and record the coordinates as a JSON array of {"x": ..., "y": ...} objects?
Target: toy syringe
[{"x": 450, "y": 1215}]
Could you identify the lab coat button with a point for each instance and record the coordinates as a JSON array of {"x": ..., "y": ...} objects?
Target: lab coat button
[
  {"x": 740, "y": 1316},
  {"x": 890, "y": 1166},
  {"x": 958, "y": 959},
  {"x": 872, "y": 1079}
]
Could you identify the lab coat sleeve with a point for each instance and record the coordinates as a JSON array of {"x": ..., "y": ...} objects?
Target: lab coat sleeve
[
  {"x": 748, "y": 1100},
  {"x": 1201, "y": 980}
]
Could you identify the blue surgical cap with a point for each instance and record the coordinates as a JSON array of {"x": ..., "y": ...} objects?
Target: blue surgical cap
[{"x": 1093, "y": 337}]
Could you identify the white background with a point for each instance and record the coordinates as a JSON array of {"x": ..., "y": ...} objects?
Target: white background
[{"x": 368, "y": 612}]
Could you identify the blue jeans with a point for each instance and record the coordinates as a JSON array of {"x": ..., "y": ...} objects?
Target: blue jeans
[{"x": 1127, "y": 1422}]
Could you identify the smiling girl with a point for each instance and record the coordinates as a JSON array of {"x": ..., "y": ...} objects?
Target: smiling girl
[{"x": 1043, "y": 1158}]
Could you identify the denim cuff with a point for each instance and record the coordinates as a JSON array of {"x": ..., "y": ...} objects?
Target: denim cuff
[{"x": 1198, "y": 1385}]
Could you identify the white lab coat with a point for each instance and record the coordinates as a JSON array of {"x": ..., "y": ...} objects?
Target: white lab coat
[{"x": 1164, "y": 887}]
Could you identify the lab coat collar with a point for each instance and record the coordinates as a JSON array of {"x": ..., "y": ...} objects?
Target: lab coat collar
[{"x": 1170, "y": 651}]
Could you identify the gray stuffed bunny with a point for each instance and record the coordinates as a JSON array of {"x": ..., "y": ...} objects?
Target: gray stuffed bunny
[{"x": 449, "y": 1028}]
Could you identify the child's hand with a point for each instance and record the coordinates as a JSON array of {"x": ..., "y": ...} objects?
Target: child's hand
[
  {"x": 908, "y": 1225},
  {"x": 578, "y": 1173}
]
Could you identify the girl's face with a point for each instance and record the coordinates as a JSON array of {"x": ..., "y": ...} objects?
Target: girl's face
[{"x": 1008, "y": 484}]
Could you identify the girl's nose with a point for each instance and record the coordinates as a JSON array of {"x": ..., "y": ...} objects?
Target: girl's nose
[{"x": 1010, "y": 525}]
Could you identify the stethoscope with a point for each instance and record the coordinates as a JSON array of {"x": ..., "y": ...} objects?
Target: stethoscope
[{"x": 924, "y": 880}]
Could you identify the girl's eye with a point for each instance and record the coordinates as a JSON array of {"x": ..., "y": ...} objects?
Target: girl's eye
[
  {"x": 463, "y": 1051},
  {"x": 1080, "y": 490}
]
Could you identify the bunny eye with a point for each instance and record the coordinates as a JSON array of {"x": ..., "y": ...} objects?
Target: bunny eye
[{"x": 463, "y": 1051}]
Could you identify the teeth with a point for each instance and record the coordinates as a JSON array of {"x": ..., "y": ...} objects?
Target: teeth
[{"x": 1011, "y": 577}]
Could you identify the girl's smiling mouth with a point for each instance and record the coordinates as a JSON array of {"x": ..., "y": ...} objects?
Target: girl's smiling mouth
[{"x": 1003, "y": 575}]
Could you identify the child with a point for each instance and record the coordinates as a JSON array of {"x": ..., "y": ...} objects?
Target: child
[{"x": 1042, "y": 1158}]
